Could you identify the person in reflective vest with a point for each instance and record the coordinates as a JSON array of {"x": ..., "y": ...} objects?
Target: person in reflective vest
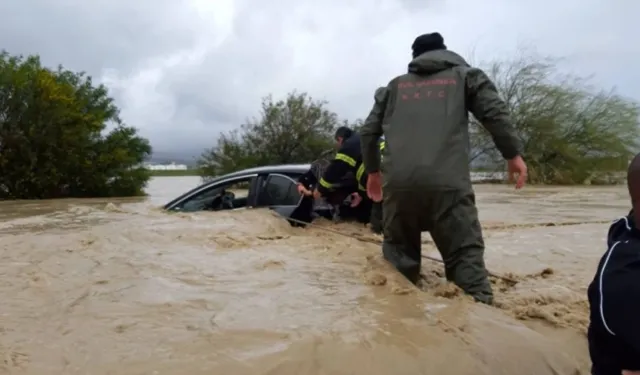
[{"x": 348, "y": 160}]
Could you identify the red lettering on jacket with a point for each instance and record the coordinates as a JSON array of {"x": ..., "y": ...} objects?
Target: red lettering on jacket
[
  {"x": 427, "y": 82},
  {"x": 425, "y": 89},
  {"x": 424, "y": 95}
]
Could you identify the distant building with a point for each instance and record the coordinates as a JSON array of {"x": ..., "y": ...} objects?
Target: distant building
[{"x": 166, "y": 167}]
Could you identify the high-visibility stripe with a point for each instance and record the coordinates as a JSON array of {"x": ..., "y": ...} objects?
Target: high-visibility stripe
[
  {"x": 359, "y": 174},
  {"x": 325, "y": 184},
  {"x": 347, "y": 159},
  {"x": 361, "y": 169}
]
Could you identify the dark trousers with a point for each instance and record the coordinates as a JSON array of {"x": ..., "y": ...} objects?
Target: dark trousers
[
  {"x": 375, "y": 218},
  {"x": 452, "y": 219}
]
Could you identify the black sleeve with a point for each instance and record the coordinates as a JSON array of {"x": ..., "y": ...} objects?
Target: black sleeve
[
  {"x": 333, "y": 175},
  {"x": 343, "y": 162},
  {"x": 621, "y": 306},
  {"x": 308, "y": 179}
]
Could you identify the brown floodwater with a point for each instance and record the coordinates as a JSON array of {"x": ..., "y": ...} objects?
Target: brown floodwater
[{"x": 120, "y": 287}]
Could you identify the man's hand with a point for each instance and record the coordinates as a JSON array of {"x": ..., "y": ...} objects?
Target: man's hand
[
  {"x": 517, "y": 168},
  {"x": 627, "y": 372},
  {"x": 316, "y": 194},
  {"x": 355, "y": 199},
  {"x": 303, "y": 190},
  {"x": 374, "y": 186}
]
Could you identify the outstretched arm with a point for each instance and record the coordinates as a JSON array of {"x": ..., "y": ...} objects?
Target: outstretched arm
[{"x": 485, "y": 104}]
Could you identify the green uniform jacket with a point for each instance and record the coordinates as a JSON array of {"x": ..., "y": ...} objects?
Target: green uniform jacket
[{"x": 424, "y": 118}]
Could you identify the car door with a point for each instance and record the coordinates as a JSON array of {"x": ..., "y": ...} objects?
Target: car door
[
  {"x": 279, "y": 192},
  {"x": 202, "y": 199}
]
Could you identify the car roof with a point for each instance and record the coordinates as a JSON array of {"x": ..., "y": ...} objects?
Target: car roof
[{"x": 282, "y": 168}]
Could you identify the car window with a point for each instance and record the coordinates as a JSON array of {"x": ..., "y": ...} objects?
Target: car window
[
  {"x": 279, "y": 190},
  {"x": 222, "y": 196},
  {"x": 294, "y": 175}
]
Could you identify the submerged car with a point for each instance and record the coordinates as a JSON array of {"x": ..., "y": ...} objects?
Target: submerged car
[{"x": 274, "y": 187}]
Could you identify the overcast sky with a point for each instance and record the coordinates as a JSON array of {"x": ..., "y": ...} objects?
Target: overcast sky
[{"x": 182, "y": 71}]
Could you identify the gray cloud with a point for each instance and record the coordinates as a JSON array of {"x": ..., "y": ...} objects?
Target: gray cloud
[{"x": 184, "y": 71}]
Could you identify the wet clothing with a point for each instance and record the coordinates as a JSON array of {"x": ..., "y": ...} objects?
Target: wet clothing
[
  {"x": 423, "y": 116},
  {"x": 614, "y": 300},
  {"x": 452, "y": 219},
  {"x": 361, "y": 213},
  {"x": 310, "y": 179},
  {"x": 376, "y": 217},
  {"x": 336, "y": 202},
  {"x": 348, "y": 160}
]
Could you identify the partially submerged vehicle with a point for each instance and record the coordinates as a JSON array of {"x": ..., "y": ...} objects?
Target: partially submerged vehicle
[{"x": 273, "y": 187}]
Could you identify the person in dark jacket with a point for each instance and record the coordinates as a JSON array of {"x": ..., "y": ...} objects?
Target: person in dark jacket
[
  {"x": 423, "y": 116},
  {"x": 308, "y": 181},
  {"x": 614, "y": 293},
  {"x": 348, "y": 161},
  {"x": 339, "y": 198}
]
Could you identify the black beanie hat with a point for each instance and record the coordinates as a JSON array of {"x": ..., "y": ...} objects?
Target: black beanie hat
[{"x": 427, "y": 42}]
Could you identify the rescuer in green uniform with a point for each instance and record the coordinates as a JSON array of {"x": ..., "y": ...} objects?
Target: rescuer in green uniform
[{"x": 423, "y": 116}]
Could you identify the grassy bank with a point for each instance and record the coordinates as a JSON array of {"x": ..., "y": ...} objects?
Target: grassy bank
[{"x": 174, "y": 173}]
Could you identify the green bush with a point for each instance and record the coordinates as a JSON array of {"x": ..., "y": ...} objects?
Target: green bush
[
  {"x": 572, "y": 133},
  {"x": 297, "y": 129},
  {"x": 52, "y": 136}
]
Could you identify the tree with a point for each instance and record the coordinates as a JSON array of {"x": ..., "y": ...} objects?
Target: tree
[
  {"x": 571, "y": 132},
  {"x": 231, "y": 153},
  {"x": 51, "y": 136},
  {"x": 297, "y": 129},
  {"x": 356, "y": 125}
]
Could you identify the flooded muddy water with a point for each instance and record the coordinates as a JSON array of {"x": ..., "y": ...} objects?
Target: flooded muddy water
[{"x": 120, "y": 287}]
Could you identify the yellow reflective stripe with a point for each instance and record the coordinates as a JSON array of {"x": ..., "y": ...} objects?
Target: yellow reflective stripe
[
  {"x": 359, "y": 174},
  {"x": 347, "y": 159},
  {"x": 325, "y": 184},
  {"x": 382, "y": 144}
]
